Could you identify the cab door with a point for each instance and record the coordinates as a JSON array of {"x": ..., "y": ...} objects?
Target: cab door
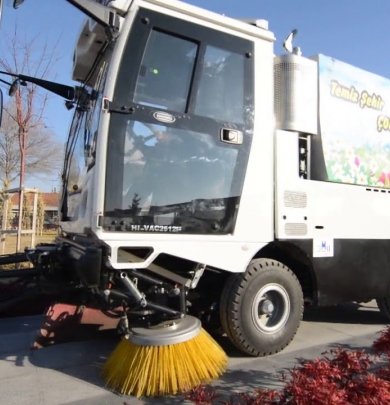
[{"x": 181, "y": 128}]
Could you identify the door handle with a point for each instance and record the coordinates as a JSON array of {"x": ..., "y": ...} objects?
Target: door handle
[{"x": 233, "y": 136}]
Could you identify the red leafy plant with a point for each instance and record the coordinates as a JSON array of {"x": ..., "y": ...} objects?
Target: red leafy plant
[
  {"x": 315, "y": 382},
  {"x": 338, "y": 377},
  {"x": 206, "y": 396},
  {"x": 259, "y": 397},
  {"x": 381, "y": 345},
  {"x": 202, "y": 395}
]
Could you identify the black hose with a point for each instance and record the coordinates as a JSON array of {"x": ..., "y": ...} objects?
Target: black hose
[
  {"x": 14, "y": 258},
  {"x": 145, "y": 277},
  {"x": 120, "y": 296}
]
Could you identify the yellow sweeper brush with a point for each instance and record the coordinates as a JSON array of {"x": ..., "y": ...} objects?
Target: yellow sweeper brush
[{"x": 166, "y": 359}]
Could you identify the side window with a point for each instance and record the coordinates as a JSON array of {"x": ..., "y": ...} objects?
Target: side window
[
  {"x": 166, "y": 72},
  {"x": 76, "y": 152},
  {"x": 93, "y": 117},
  {"x": 221, "y": 89}
]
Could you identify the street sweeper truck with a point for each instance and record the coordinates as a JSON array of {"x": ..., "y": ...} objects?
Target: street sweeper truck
[{"x": 208, "y": 182}]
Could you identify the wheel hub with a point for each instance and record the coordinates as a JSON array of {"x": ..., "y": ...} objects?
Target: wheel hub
[
  {"x": 267, "y": 307},
  {"x": 271, "y": 308}
]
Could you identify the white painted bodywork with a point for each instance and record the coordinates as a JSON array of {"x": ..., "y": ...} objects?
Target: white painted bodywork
[
  {"x": 319, "y": 211},
  {"x": 344, "y": 211},
  {"x": 254, "y": 225}
]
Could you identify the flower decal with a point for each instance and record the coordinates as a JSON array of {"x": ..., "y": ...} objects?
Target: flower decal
[{"x": 364, "y": 165}]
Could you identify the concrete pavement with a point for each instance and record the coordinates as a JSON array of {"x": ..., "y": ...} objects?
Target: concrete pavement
[{"x": 69, "y": 373}]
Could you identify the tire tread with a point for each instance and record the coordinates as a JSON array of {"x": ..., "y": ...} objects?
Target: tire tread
[{"x": 229, "y": 309}]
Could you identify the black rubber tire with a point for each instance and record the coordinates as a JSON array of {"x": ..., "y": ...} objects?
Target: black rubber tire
[
  {"x": 384, "y": 306},
  {"x": 237, "y": 300}
]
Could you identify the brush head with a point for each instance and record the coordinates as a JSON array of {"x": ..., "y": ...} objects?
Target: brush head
[
  {"x": 166, "y": 333},
  {"x": 164, "y": 370}
]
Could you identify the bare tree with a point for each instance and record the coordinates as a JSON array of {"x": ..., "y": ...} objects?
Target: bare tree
[
  {"x": 43, "y": 150},
  {"x": 27, "y": 110}
]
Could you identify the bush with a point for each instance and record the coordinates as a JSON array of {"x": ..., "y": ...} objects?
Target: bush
[{"x": 338, "y": 377}]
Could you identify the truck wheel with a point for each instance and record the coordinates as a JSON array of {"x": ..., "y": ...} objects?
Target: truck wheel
[
  {"x": 384, "y": 306},
  {"x": 262, "y": 308}
]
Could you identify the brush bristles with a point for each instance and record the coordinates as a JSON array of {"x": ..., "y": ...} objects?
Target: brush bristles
[{"x": 164, "y": 370}]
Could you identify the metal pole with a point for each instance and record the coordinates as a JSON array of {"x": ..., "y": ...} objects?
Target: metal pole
[
  {"x": 5, "y": 219},
  {"x": 22, "y": 138},
  {"x": 34, "y": 220}
]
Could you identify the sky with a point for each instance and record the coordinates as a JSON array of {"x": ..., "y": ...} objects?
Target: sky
[{"x": 353, "y": 31}]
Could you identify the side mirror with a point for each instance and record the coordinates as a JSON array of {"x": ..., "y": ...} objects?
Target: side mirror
[
  {"x": 13, "y": 88},
  {"x": 17, "y": 3}
]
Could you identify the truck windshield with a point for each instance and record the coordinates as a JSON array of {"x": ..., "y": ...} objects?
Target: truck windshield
[{"x": 169, "y": 169}]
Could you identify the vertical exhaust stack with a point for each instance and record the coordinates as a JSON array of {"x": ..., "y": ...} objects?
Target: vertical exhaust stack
[{"x": 296, "y": 90}]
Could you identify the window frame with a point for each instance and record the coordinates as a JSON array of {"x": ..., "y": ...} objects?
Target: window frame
[
  {"x": 94, "y": 111},
  {"x": 77, "y": 134},
  {"x": 148, "y": 50},
  {"x": 146, "y": 21}
]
